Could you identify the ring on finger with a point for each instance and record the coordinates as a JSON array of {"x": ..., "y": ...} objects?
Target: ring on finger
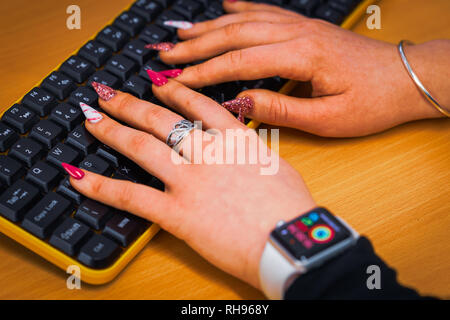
[{"x": 179, "y": 131}]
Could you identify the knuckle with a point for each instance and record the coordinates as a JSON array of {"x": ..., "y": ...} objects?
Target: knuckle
[
  {"x": 232, "y": 30},
  {"x": 234, "y": 57},
  {"x": 124, "y": 103},
  {"x": 125, "y": 195},
  {"x": 97, "y": 186},
  {"x": 138, "y": 142},
  {"x": 278, "y": 109}
]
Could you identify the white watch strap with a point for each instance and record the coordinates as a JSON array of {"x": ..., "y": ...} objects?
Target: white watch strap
[{"x": 274, "y": 272}]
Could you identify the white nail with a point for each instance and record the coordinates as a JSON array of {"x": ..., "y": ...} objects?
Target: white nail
[
  {"x": 92, "y": 115},
  {"x": 178, "y": 24}
]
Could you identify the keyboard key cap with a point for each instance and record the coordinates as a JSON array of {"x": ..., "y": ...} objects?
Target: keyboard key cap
[
  {"x": 113, "y": 37},
  {"x": 136, "y": 50},
  {"x": 63, "y": 153},
  {"x": 105, "y": 78},
  {"x": 122, "y": 229},
  {"x": 67, "y": 116},
  {"x": 43, "y": 217},
  {"x": 59, "y": 84},
  {"x": 40, "y": 101},
  {"x": 15, "y": 201},
  {"x": 165, "y": 3},
  {"x": 70, "y": 236},
  {"x": 327, "y": 13},
  {"x": 169, "y": 15},
  {"x": 47, "y": 133},
  {"x": 77, "y": 68},
  {"x": 151, "y": 65},
  {"x": 188, "y": 8},
  {"x": 27, "y": 150},
  {"x": 215, "y": 10},
  {"x": 344, "y": 6},
  {"x": 65, "y": 189},
  {"x": 20, "y": 118},
  {"x": 10, "y": 170},
  {"x": 130, "y": 22},
  {"x": 7, "y": 137},
  {"x": 121, "y": 67},
  {"x": 82, "y": 140},
  {"x": 93, "y": 213},
  {"x": 305, "y": 7},
  {"x": 99, "y": 252},
  {"x": 147, "y": 9},
  {"x": 85, "y": 95},
  {"x": 95, "y": 52},
  {"x": 138, "y": 87},
  {"x": 109, "y": 154},
  {"x": 153, "y": 34},
  {"x": 96, "y": 164},
  {"x": 44, "y": 176}
]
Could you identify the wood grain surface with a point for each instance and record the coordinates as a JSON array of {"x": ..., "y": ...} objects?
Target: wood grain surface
[{"x": 393, "y": 187}]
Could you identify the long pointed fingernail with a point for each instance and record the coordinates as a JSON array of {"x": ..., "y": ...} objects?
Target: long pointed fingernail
[
  {"x": 104, "y": 92},
  {"x": 92, "y": 115},
  {"x": 241, "y": 105},
  {"x": 172, "y": 73},
  {"x": 162, "y": 46},
  {"x": 74, "y": 172},
  {"x": 157, "y": 79},
  {"x": 178, "y": 24}
]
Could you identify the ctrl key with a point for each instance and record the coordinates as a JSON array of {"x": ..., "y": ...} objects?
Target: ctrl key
[
  {"x": 17, "y": 199},
  {"x": 99, "y": 252},
  {"x": 69, "y": 236}
]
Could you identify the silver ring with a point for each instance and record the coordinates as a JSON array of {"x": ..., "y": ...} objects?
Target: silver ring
[{"x": 179, "y": 131}]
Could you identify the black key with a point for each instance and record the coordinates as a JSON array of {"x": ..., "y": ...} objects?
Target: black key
[
  {"x": 113, "y": 37},
  {"x": 121, "y": 67},
  {"x": 147, "y": 9},
  {"x": 153, "y": 34},
  {"x": 59, "y": 84},
  {"x": 44, "y": 176},
  {"x": 200, "y": 18},
  {"x": 67, "y": 116},
  {"x": 95, "y": 52},
  {"x": 66, "y": 189},
  {"x": 99, "y": 252},
  {"x": 188, "y": 8},
  {"x": 10, "y": 170},
  {"x": 47, "y": 133},
  {"x": 85, "y": 95},
  {"x": 63, "y": 153},
  {"x": 128, "y": 170},
  {"x": 136, "y": 50},
  {"x": 105, "y": 78},
  {"x": 150, "y": 65},
  {"x": 7, "y": 137},
  {"x": 69, "y": 236},
  {"x": 81, "y": 139},
  {"x": 156, "y": 183},
  {"x": 77, "y": 68},
  {"x": 344, "y": 6},
  {"x": 15, "y": 201},
  {"x": 96, "y": 164},
  {"x": 122, "y": 229},
  {"x": 137, "y": 87},
  {"x": 130, "y": 22},
  {"x": 215, "y": 10},
  {"x": 165, "y": 3},
  {"x": 169, "y": 15},
  {"x": 40, "y": 101},
  {"x": 109, "y": 154},
  {"x": 205, "y": 3},
  {"x": 305, "y": 7},
  {"x": 27, "y": 150},
  {"x": 93, "y": 213},
  {"x": 44, "y": 216},
  {"x": 327, "y": 13},
  {"x": 20, "y": 118}
]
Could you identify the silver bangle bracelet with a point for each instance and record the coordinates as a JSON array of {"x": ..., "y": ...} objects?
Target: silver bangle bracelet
[{"x": 417, "y": 81}]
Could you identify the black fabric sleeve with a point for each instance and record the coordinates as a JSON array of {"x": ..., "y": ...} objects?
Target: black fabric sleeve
[{"x": 345, "y": 277}]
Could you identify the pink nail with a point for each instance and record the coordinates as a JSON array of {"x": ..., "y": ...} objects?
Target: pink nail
[
  {"x": 104, "y": 92},
  {"x": 172, "y": 73},
  {"x": 92, "y": 115},
  {"x": 242, "y": 106},
  {"x": 157, "y": 78},
  {"x": 178, "y": 24},
  {"x": 162, "y": 46},
  {"x": 74, "y": 172}
]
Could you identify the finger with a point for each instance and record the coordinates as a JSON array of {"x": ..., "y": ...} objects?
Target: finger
[
  {"x": 143, "y": 201},
  {"x": 195, "y": 105},
  {"x": 230, "y": 37},
  {"x": 147, "y": 151},
  {"x": 255, "y": 16},
  {"x": 241, "y": 6}
]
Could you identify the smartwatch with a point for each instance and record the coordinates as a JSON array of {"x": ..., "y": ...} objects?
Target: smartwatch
[{"x": 302, "y": 244}]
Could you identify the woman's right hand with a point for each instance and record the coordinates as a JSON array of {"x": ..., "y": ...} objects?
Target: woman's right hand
[{"x": 359, "y": 85}]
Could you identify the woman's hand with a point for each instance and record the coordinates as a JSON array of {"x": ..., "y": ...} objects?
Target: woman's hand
[
  {"x": 359, "y": 85},
  {"x": 223, "y": 211}
]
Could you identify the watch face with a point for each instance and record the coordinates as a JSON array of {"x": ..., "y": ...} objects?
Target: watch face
[{"x": 311, "y": 233}]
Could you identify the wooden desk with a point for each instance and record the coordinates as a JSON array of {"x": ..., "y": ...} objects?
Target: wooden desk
[{"x": 393, "y": 187}]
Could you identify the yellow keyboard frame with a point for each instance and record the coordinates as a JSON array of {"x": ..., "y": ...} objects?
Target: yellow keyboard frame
[{"x": 101, "y": 276}]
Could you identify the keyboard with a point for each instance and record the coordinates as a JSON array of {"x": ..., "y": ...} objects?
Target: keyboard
[{"x": 38, "y": 206}]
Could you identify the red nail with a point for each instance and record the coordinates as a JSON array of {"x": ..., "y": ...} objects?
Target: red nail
[
  {"x": 172, "y": 73},
  {"x": 74, "y": 172},
  {"x": 157, "y": 78},
  {"x": 104, "y": 92},
  {"x": 242, "y": 106},
  {"x": 162, "y": 46}
]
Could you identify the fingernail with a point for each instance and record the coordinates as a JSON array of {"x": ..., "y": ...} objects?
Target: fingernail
[
  {"x": 242, "y": 106},
  {"x": 74, "y": 172},
  {"x": 104, "y": 92},
  {"x": 92, "y": 115},
  {"x": 172, "y": 73},
  {"x": 157, "y": 78},
  {"x": 178, "y": 24},
  {"x": 162, "y": 46}
]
